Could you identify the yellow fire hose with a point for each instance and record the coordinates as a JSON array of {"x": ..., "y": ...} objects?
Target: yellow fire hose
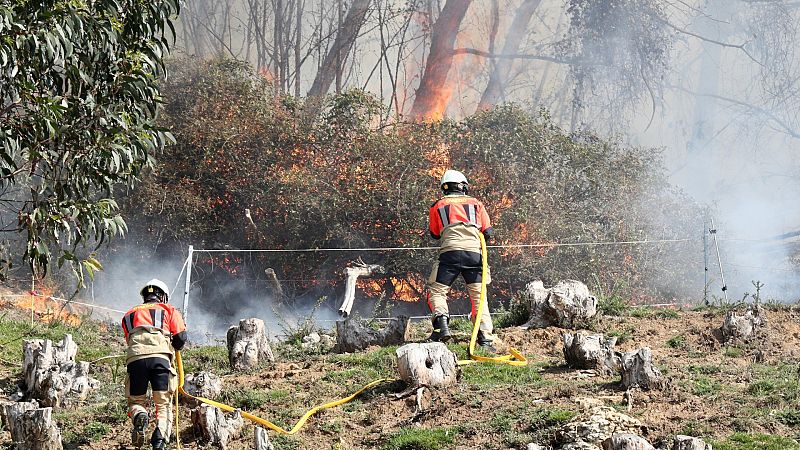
[{"x": 514, "y": 358}]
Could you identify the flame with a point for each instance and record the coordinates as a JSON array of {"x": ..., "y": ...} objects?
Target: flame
[
  {"x": 229, "y": 263},
  {"x": 46, "y": 309}
]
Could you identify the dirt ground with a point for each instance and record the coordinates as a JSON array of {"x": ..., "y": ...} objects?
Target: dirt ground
[{"x": 715, "y": 391}]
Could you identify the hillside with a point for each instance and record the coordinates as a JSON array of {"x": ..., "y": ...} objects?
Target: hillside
[{"x": 719, "y": 393}]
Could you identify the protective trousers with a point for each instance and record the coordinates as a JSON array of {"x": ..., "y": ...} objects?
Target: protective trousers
[
  {"x": 163, "y": 380},
  {"x": 445, "y": 271}
]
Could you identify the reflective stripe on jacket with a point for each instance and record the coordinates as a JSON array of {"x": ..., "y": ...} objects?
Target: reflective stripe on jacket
[
  {"x": 457, "y": 209},
  {"x": 148, "y": 328}
]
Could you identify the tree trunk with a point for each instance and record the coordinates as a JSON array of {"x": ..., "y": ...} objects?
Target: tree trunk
[
  {"x": 638, "y": 371},
  {"x": 31, "y": 427},
  {"x": 202, "y": 384},
  {"x": 433, "y": 94},
  {"x": 430, "y": 364},
  {"x": 353, "y": 335},
  {"x": 591, "y": 352},
  {"x": 494, "y": 89},
  {"x": 345, "y": 38},
  {"x": 216, "y": 427},
  {"x": 352, "y": 273},
  {"x": 248, "y": 346},
  {"x": 262, "y": 441},
  {"x": 51, "y": 374},
  {"x": 682, "y": 442}
]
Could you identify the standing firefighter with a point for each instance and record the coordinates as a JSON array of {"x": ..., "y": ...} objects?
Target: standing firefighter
[
  {"x": 456, "y": 219},
  {"x": 152, "y": 330}
]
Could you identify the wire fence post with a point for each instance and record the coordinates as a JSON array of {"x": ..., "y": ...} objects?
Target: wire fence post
[
  {"x": 713, "y": 231},
  {"x": 705, "y": 262},
  {"x": 188, "y": 284}
]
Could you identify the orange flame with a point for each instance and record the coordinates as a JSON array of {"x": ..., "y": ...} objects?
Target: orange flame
[{"x": 46, "y": 309}]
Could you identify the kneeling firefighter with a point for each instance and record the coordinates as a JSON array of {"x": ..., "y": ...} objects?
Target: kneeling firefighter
[
  {"x": 153, "y": 331},
  {"x": 455, "y": 220}
]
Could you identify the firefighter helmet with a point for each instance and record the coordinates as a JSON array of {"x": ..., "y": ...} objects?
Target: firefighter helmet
[
  {"x": 452, "y": 179},
  {"x": 155, "y": 286}
]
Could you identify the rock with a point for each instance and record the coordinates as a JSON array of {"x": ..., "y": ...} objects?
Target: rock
[
  {"x": 313, "y": 338},
  {"x": 51, "y": 374},
  {"x": 248, "y": 345},
  {"x": 591, "y": 351},
  {"x": 533, "y": 446},
  {"x": 31, "y": 427},
  {"x": 430, "y": 364},
  {"x": 626, "y": 441},
  {"x": 745, "y": 326},
  {"x": 215, "y": 427},
  {"x": 202, "y": 384},
  {"x": 682, "y": 442},
  {"x": 568, "y": 304},
  {"x": 355, "y": 334},
  {"x": 638, "y": 371},
  {"x": 591, "y": 428}
]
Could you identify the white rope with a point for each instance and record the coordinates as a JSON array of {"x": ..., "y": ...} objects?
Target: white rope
[
  {"x": 381, "y": 249},
  {"x": 71, "y": 302}
]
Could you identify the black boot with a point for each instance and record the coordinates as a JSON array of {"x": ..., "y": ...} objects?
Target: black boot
[
  {"x": 158, "y": 441},
  {"x": 441, "y": 332},
  {"x": 139, "y": 425},
  {"x": 485, "y": 342}
]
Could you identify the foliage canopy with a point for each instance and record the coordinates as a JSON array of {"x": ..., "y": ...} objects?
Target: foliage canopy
[{"x": 78, "y": 83}]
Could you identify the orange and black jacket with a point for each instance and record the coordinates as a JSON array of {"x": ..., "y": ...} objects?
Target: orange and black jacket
[
  {"x": 456, "y": 209},
  {"x": 153, "y": 329}
]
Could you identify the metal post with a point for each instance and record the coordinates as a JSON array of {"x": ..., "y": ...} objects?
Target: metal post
[
  {"x": 719, "y": 261},
  {"x": 188, "y": 283},
  {"x": 705, "y": 262}
]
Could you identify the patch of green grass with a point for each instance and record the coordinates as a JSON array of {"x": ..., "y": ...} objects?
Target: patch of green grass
[
  {"x": 211, "y": 358},
  {"x": 420, "y": 439},
  {"x": 695, "y": 428},
  {"x": 277, "y": 394},
  {"x": 649, "y": 312},
  {"x": 774, "y": 385},
  {"x": 460, "y": 324},
  {"x": 732, "y": 352},
  {"x": 789, "y": 417},
  {"x": 246, "y": 399},
  {"x": 283, "y": 442},
  {"x": 623, "y": 335},
  {"x": 678, "y": 341},
  {"x": 367, "y": 366},
  {"x": 518, "y": 313},
  {"x": 613, "y": 305},
  {"x": 755, "y": 441},
  {"x": 494, "y": 374},
  {"x": 705, "y": 369},
  {"x": 704, "y": 386}
]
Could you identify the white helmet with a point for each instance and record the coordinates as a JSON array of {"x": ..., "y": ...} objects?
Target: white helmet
[
  {"x": 151, "y": 287},
  {"x": 453, "y": 176}
]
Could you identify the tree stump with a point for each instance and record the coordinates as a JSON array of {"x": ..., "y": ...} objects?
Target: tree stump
[
  {"x": 31, "y": 427},
  {"x": 682, "y": 442},
  {"x": 360, "y": 269},
  {"x": 624, "y": 441},
  {"x": 202, "y": 384},
  {"x": 355, "y": 334},
  {"x": 215, "y": 427},
  {"x": 568, "y": 304},
  {"x": 638, "y": 371},
  {"x": 262, "y": 441},
  {"x": 745, "y": 326},
  {"x": 431, "y": 364},
  {"x": 275, "y": 288},
  {"x": 591, "y": 351},
  {"x": 248, "y": 346},
  {"x": 51, "y": 374}
]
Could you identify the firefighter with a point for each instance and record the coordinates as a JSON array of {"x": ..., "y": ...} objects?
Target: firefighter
[
  {"x": 153, "y": 331},
  {"x": 455, "y": 220}
]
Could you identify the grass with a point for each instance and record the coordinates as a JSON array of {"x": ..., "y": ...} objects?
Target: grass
[
  {"x": 206, "y": 358},
  {"x": 362, "y": 367},
  {"x": 705, "y": 386},
  {"x": 498, "y": 374},
  {"x": 649, "y": 312},
  {"x": 613, "y": 305},
  {"x": 421, "y": 439},
  {"x": 678, "y": 341},
  {"x": 244, "y": 398},
  {"x": 755, "y": 441}
]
